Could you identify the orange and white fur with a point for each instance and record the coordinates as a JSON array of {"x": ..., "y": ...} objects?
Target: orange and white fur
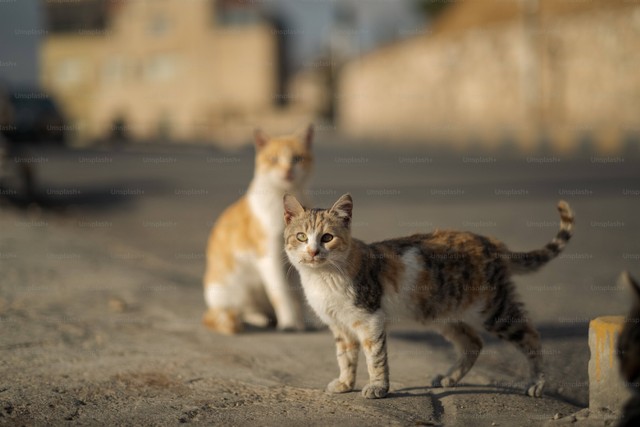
[{"x": 246, "y": 274}]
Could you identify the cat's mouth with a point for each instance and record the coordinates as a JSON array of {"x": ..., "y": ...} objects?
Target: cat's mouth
[
  {"x": 313, "y": 262},
  {"x": 287, "y": 182}
]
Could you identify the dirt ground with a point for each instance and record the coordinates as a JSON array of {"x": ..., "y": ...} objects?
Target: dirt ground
[{"x": 100, "y": 303}]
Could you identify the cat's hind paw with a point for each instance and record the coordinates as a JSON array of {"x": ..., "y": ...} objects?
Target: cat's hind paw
[
  {"x": 442, "y": 381},
  {"x": 535, "y": 389},
  {"x": 375, "y": 390},
  {"x": 337, "y": 386},
  {"x": 224, "y": 321}
]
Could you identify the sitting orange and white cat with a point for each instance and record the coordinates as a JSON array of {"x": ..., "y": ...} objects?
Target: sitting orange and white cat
[{"x": 246, "y": 274}]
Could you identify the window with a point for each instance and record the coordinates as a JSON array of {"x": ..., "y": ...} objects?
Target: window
[
  {"x": 114, "y": 70},
  {"x": 235, "y": 12},
  {"x": 69, "y": 72},
  {"x": 161, "y": 67},
  {"x": 158, "y": 26}
]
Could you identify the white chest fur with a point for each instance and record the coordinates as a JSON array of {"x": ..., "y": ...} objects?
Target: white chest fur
[
  {"x": 329, "y": 294},
  {"x": 266, "y": 205},
  {"x": 265, "y": 201}
]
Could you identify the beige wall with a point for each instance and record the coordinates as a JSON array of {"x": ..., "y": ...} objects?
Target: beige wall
[
  {"x": 69, "y": 73},
  {"x": 195, "y": 75},
  {"x": 575, "y": 74}
]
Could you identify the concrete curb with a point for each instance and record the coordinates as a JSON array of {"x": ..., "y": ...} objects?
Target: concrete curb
[{"x": 607, "y": 390}]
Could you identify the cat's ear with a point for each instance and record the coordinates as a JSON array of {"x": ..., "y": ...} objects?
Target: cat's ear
[
  {"x": 260, "y": 138},
  {"x": 343, "y": 208},
  {"x": 626, "y": 278},
  {"x": 292, "y": 208}
]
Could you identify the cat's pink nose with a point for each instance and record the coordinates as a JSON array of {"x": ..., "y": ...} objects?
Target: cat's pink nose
[{"x": 313, "y": 252}]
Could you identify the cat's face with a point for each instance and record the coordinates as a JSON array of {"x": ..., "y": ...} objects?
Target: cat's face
[
  {"x": 317, "y": 238},
  {"x": 285, "y": 162}
]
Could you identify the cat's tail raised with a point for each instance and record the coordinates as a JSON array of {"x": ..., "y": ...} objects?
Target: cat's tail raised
[{"x": 527, "y": 262}]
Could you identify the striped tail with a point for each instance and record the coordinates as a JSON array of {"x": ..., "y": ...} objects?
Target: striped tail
[{"x": 527, "y": 262}]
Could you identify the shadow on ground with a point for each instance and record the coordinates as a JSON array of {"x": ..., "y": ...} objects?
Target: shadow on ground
[{"x": 91, "y": 198}]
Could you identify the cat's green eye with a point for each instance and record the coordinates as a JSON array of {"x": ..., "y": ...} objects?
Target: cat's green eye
[
  {"x": 326, "y": 238},
  {"x": 301, "y": 237}
]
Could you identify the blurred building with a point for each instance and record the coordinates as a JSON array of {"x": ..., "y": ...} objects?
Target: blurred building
[
  {"x": 175, "y": 69},
  {"x": 498, "y": 72}
]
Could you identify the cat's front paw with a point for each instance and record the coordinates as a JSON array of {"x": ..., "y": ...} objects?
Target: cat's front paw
[
  {"x": 337, "y": 386},
  {"x": 375, "y": 390},
  {"x": 290, "y": 324},
  {"x": 443, "y": 381},
  {"x": 293, "y": 327},
  {"x": 535, "y": 389}
]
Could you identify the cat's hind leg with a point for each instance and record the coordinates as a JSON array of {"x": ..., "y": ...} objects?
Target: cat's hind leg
[
  {"x": 258, "y": 311},
  {"x": 222, "y": 315},
  {"x": 468, "y": 346},
  {"x": 527, "y": 340},
  {"x": 223, "y": 320},
  {"x": 529, "y": 345},
  {"x": 236, "y": 298},
  {"x": 507, "y": 320}
]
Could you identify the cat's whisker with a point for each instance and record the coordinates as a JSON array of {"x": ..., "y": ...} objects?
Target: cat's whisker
[
  {"x": 337, "y": 266},
  {"x": 289, "y": 270}
]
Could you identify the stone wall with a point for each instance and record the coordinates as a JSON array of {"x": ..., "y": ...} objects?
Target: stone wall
[
  {"x": 565, "y": 79},
  {"x": 168, "y": 69}
]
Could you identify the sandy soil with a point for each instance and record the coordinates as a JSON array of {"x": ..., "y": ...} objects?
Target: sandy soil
[
  {"x": 93, "y": 333},
  {"x": 100, "y": 295}
]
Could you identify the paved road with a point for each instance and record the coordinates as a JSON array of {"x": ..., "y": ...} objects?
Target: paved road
[{"x": 138, "y": 217}]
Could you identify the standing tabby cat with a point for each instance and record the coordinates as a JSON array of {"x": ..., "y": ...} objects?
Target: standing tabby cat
[
  {"x": 354, "y": 287},
  {"x": 629, "y": 354},
  {"x": 245, "y": 278}
]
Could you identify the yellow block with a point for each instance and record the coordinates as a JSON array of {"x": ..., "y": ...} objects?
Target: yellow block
[
  {"x": 606, "y": 387},
  {"x": 605, "y": 332}
]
